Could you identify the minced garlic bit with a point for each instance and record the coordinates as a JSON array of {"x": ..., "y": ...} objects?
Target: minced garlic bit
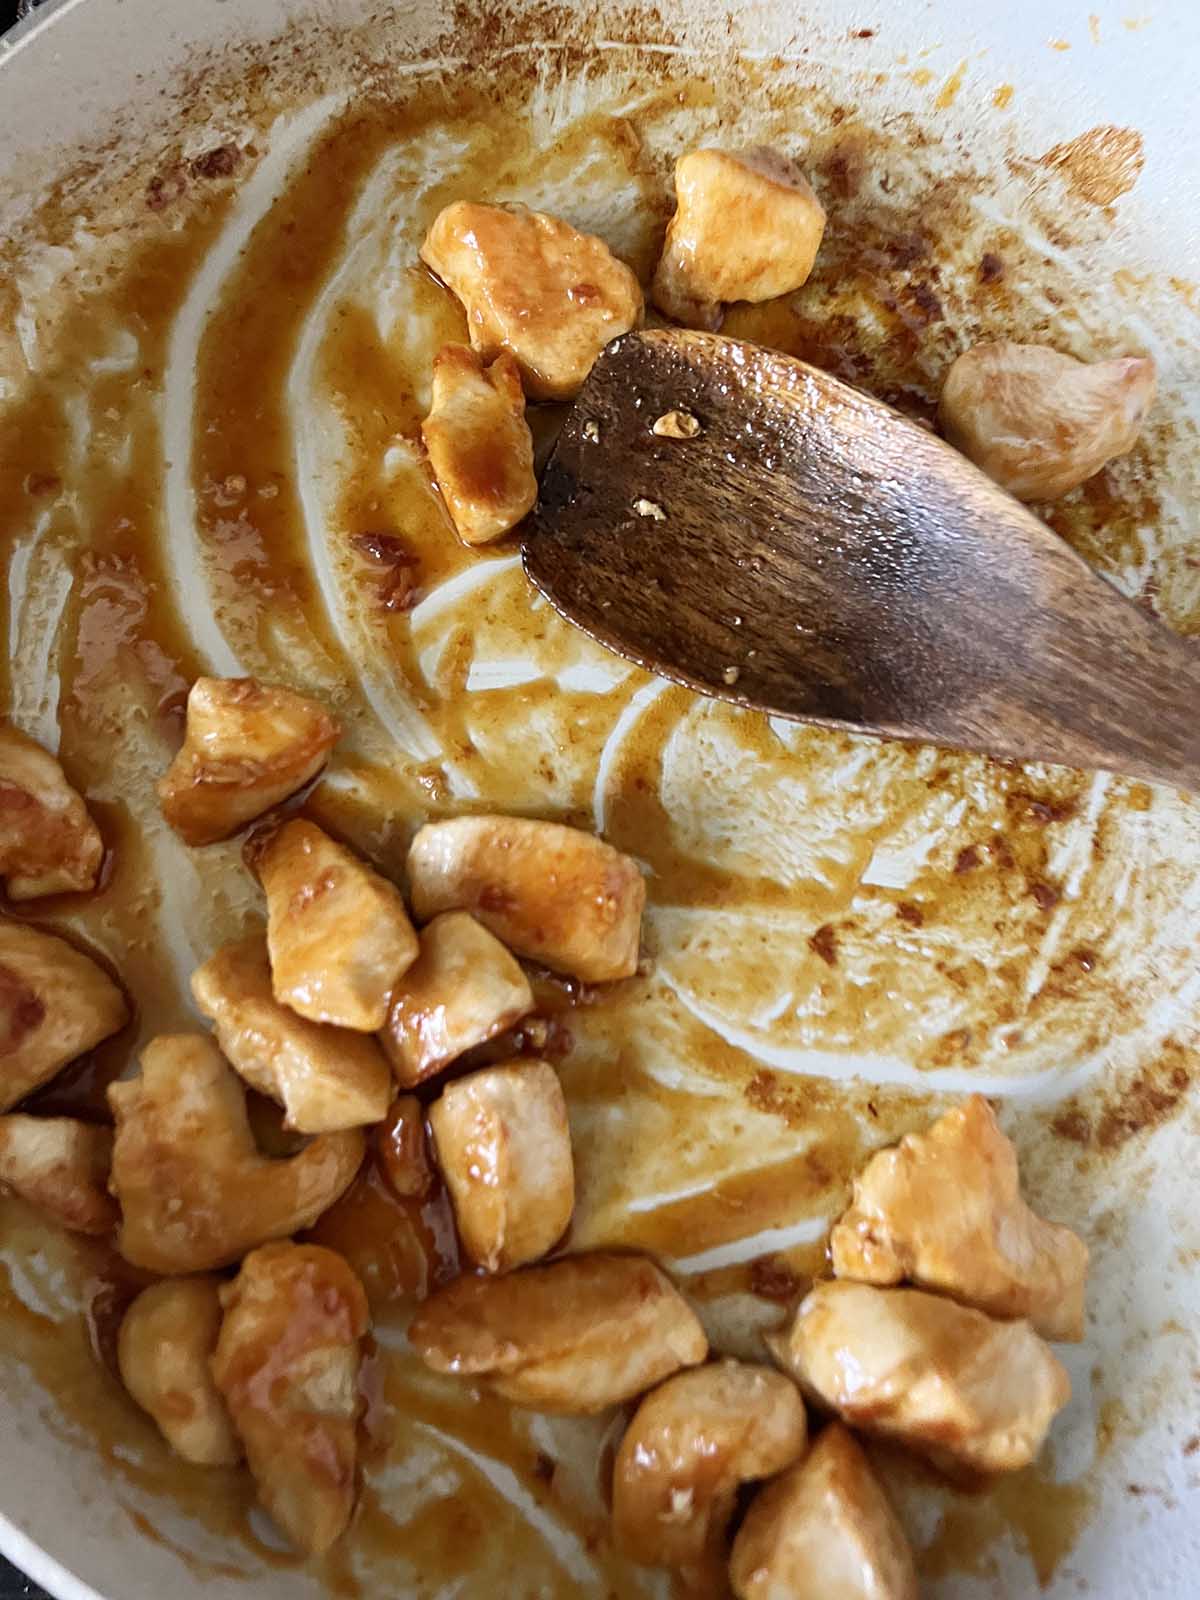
[
  {"x": 731, "y": 674},
  {"x": 650, "y": 508},
  {"x": 591, "y": 432},
  {"x": 677, "y": 425}
]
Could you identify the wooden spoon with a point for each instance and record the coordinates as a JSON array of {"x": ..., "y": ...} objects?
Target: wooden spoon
[{"x": 811, "y": 553}]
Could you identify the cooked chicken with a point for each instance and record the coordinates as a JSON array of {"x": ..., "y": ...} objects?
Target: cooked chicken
[
  {"x": 552, "y": 893},
  {"x": 947, "y": 1381},
  {"x": 575, "y": 1336},
  {"x": 1039, "y": 422},
  {"x": 691, "y": 1443},
  {"x": 195, "y": 1192},
  {"x": 533, "y": 285},
  {"x": 944, "y": 1209},
  {"x": 48, "y": 842},
  {"x": 248, "y": 745},
  {"x": 746, "y": 227},
  {"x": 338, "y": 933},
  {"x": 400, "y": 1149},
  {"x": 61, "y": 1166},
  {"x": 325, "y": 1078},
  {"x": 823, "y": 1531},
  {"x": 287, "y": 1363},
  {"x": 55, "y": 1003},
  {"x": 504, "y": 1148},
  {"x": 479, "y": 444},
  {"x": 463, "y": 988},
  {"x": 166, "y": 1343}
]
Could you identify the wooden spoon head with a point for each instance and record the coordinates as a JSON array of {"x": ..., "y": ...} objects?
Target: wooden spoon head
[{"x": 810, "y": 552}]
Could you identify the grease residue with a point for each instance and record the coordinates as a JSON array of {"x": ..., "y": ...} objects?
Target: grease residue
[{"x": 1099, "y": 166}]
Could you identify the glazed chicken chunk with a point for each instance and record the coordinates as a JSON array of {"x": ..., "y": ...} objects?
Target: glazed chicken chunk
[
  {"x": 246, "y": 747},
  {"x": 55, "y": 1003},
  {"x": 944, "y": 1210},
  {"x": 325, "y": 1078},
  {"x": 60, "y": 1166},
  {"x": 945, "y": 1380},
  {"x": 747, "y": 227},
  {"x": 1040, "y": 423},
  {"x": 48, "y": 842},
  {"x": 576, "y": 1336},
  {"x": 550, "y": 892},
  {"x": 823, "y": 1531},
  {"x": 504, "y": 1148},
  {"x": 338, "y": 932},
  {"x": 287, "y": 1363},
  {"x": 534, "y": 286},
  {"x": 195, "y": 1191},
  {"x": 479, "y": 444},
  {"x": 692, "y": 1442},
  {"x": 463, "y": 989},
  {"x": 164, "y": 1352}
]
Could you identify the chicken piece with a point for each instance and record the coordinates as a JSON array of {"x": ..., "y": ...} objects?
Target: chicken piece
[
  {"x": 247, "y": 746},
  {"x": 575, "y": 1336},
  {"x": 823, "y": 1531},
  {"x": 60, "y": 1166},
  {"x": 746, "y": 227},
  {"x": 463, "y": 989},
  {"x": 338, "y": 932},
  {"x": 552, "y": 893},
  {"x": 504, "y": 1148},
  {"x": 1040, "y": 423},
  {"x": 947, "y": 1381},
  {"x": 55, "y": 1003},
  {"x": 691, "y": 1443},
  {"x": 944, "y": 1209},
  {"x": 287, "y": 1363},
  {"x": 535, "y": 286},
  {"x": 166, "y": 1343},
  {"x": 325, "y": 1078},
  {"x": 479, "y": 444},
  {"x": 48, "y": 842},
  {"x": 400, "y": 1149},
  {"x": 195, "y": 1191}
]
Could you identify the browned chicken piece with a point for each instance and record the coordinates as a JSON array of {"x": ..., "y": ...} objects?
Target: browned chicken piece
[
  {"x": 55, "y": 1003},
  {"x": 338, "y": 932},
  {"x": 287, "y": 1363},
  {"x": 747, "y": 226},
  {"x": 195, "y": 1191},
  {"x": 1040, "y": 423},
  {"x": 247, "y": 746},
  {"x": 535, "y": 286},
  {"x": 692, "y": 1442},
  {"x": 823, "y": 1531},
  {"x": 576, "y": 1336},
  {"x": 164, "y": 1351},
  {"x": 944, "y": 1210},
  {"x": 504, "y": 1148},
  {"x": 463, "y": 989},
  {"x": 48, "y": 842},
  {"x": 479, "y": 444},
  {"x": 947, "y": 1381},
  {"x": 552, "y": 893},
  {"x": 60, "y": 1166},
  {"x": 325, "y": 1078}
]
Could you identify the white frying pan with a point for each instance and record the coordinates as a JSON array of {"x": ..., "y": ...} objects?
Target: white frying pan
[{"x": 1059, "y": 142}]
